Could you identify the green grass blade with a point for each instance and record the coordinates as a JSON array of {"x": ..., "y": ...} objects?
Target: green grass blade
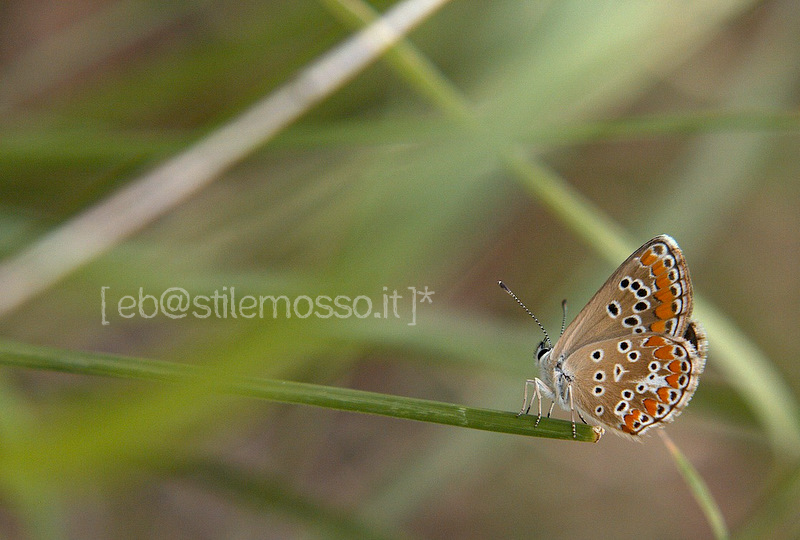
[
  {"x": 106, "y": 224},
  {"x": 698, "y": 488},
  {"x": 345, "y": 399}
]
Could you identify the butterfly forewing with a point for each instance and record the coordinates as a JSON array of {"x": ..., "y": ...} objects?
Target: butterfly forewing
[
  {"x": 650, "y": 292},
  {"x": 637, "y": 382}
]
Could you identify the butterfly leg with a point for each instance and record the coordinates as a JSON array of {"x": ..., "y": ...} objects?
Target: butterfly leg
[
  {"x": 572, "y": 412},
  {"x": 537, "y": 395},
  {"x": 539, "y": 399},
  {"x": 526, "y": 406}
]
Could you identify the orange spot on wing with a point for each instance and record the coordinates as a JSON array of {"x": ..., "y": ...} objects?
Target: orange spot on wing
[
  {"x": 648, "y": 258},
  {"x": 654, "y": 341},
  {"x": 665, "y": 311},
  {"x": 625, "y": 429},
  {"x": 659, "y": 268},
  {"x": 651, "y": 406},
  {"x": 674, "y": 366},
  {"x": 672, "y": 380},
  {"x": 629, "y": 420},
  {"x": 664, "y": 353},
  {"x": 658, "y": 327},
  {"x": 663, "y": 281},
  {"x": 663, "y": 394},
  {"x": 664, "y": 295}
]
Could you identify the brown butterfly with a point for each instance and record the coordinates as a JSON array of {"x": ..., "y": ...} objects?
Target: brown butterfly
[{"x": 632, "y": 358}]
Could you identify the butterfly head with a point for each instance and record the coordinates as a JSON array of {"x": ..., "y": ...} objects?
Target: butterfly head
[{"x": 543, "y": 350}]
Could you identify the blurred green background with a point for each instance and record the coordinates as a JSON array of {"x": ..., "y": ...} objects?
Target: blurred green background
[{"x": 532, "y": 141}]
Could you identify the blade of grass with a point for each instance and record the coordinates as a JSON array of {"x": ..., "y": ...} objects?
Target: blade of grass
[
  {"x": 140, "y": 202},
  {"x": 698, "y": 488},
  {"x": 345, "y": 399}
]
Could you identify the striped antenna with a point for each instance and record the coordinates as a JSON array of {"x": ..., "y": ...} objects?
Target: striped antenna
[{"x": 514, "y": 296}]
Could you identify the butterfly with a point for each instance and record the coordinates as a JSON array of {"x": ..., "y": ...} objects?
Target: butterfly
[{"x": 632, "y": 358}]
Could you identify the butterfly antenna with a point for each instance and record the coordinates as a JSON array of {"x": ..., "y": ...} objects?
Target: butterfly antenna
[
  {"x": 564, "y": 316},
  {"x": 514, "y": 296}
]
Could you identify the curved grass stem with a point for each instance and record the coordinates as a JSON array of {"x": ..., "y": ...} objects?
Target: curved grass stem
[{"x": 345, "y": 399}]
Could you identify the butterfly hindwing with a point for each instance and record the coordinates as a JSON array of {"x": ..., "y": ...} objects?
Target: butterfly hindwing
[{"x": 633, "y": 383}]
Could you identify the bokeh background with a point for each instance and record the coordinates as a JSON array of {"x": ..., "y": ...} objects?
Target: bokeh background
[{"x": 568, "y": 130}]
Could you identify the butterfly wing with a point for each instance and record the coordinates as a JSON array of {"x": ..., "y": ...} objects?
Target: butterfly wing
[
  {"x": 633, "y": 383},
  {"x": 650, "y": 292}
]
